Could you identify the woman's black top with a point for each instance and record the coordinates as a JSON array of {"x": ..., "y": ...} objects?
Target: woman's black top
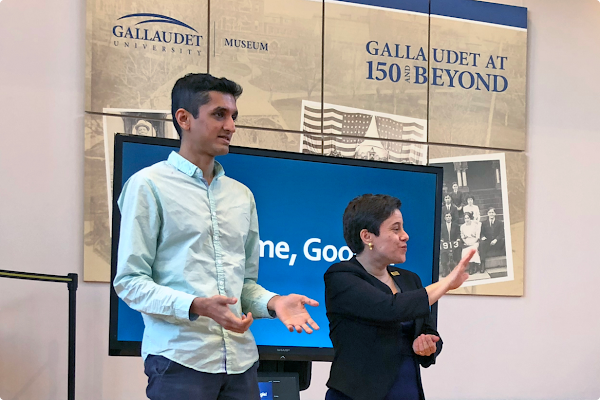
[{"x": 365, "y": 323}]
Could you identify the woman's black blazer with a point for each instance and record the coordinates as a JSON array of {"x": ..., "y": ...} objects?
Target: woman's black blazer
[{"x": 365, "y": 328}]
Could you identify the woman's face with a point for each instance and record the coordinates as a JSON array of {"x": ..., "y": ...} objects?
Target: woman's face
[
  {"x": 467, "y": 219},
  {"x": 470, "y": 201},
  {"x": 390, "y": 245}
]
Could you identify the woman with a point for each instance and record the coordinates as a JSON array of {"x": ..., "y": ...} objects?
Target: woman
[
  {"x": 472, "y": 208},
  {"x": 380, "y": 323},
  {"x": 470, "y": 232}
]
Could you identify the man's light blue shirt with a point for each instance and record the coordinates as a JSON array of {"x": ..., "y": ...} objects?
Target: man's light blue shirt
[{"x": 181, "y": 238}]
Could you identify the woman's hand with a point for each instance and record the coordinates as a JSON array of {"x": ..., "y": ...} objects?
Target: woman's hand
[
  {"x": 453, "y": 281},
  {"x": 425, "y": 345},
  {"x": 459, "y": 274}
]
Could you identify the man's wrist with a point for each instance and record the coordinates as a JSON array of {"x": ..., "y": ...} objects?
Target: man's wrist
[
  {"x": 271, "y": 303},
  {"x": 197, "y": 308}
]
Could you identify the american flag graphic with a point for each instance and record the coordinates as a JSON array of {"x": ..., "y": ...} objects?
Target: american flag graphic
[{"x": 340, "y": 120}]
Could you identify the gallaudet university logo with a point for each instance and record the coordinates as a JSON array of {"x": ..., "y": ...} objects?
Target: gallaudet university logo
[{"x": 163, "y": 41}]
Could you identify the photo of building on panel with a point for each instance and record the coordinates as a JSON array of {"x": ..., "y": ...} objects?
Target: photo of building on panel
[{"x": 362, "y": 134}]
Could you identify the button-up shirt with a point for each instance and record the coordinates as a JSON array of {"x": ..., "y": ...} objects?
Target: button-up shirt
[{"x": 181, "y": 238}]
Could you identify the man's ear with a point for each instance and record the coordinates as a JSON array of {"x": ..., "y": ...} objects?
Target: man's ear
[{"x": 184, "y": 119}]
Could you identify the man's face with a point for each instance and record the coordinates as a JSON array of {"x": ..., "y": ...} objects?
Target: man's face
[
  {"x": 448, "y": 218},
  {"x": 211, "y": 132},
  {"x": 455, "y": 187},
  {"x": 142, "y": 130},
  {"x": 448, "y": 199},
  {"x": 492, "y": 214}
]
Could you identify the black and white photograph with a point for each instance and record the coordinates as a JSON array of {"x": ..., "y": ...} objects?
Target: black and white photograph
[
  {"x": 361, "y": 133},
  {"x": 132, "y": 122},
  {"x": 475, "y": 215}
]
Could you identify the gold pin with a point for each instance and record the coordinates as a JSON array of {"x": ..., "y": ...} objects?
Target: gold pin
[{"x": 394, "y": 273}]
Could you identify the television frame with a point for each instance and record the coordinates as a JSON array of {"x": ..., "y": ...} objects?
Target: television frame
[{"x": 279, "y": 353}]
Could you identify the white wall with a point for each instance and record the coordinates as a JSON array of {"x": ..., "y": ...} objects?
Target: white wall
[{"x": 541, "y": 346}]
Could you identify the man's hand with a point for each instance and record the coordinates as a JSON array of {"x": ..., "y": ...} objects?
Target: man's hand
[
  {"x": 217, "y": 308},
  {"x": 493, "y": 242},
  {"x": 291, "y": 311},
  {"x": 425, "y": 345}
]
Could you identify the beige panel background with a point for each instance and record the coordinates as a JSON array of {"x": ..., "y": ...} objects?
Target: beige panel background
[
  {"x": 348, "y": 29},
  {"x": 266, "y": 139},
  {"x": 474, "y": 117},
  {"x": 282, "y": 65},
  {"x": 126, "y": 72},
  {"x": 280, "y": 73}
]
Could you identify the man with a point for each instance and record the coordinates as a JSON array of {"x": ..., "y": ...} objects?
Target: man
[
  {"x": 448, "y": 207},
  {"x": 143, "y": 128},
  {"x": 457, "y": 197},
  {"x": 189, "y": 249},
  {"x": 492, "y": 238},
  {"x": 450, "y": 246}
]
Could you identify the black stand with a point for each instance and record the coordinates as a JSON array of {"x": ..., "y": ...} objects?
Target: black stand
[{"x": 71, "y": 280}]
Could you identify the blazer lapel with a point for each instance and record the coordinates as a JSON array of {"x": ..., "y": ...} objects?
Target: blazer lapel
[{"x": 399, "y": 281}]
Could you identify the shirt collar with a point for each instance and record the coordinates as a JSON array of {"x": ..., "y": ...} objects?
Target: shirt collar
[{"x": 183, "y": 165}]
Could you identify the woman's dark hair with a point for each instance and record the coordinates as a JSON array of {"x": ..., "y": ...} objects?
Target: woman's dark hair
[
  {"x": 367, "y": 212},
  {"x": 470, "y": 215},
  {"x": 191, "y": 92},
  {"x": 470, "y": 196}
]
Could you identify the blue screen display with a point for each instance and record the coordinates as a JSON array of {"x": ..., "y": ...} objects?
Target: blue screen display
[
  {"x": 266, "y": 390},
  {"x": 300, "y": 206}
]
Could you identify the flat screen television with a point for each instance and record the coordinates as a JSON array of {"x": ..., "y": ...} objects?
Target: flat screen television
[{"x": 300, "y": 202}]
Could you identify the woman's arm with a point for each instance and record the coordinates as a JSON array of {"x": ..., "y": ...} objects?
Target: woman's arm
[
  {"x": 453, "y": 281},
  {"x": 348, "y": 293}
]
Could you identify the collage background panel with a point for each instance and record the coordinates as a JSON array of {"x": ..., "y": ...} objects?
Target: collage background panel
[
  {"x": 372, "y": 50},
  {"x": 273, "y": 50},
  {"x": 129, "y": 63},
  {"x": 470, "y": 33}
]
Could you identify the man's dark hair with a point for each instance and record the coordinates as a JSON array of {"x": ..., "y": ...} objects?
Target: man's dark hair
[
  {"x": 191, "y": 92},
  {"x": 367, "y": 212}
]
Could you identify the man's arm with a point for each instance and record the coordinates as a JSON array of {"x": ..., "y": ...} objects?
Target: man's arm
[
  {"x": 254, "y": 297},
  {"x": 140, "y": 229},
  {"x": 262, "y": 303}
]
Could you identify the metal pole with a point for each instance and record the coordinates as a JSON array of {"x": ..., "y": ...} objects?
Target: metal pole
[
  {"x": 72, "y": 331},
  {"x": 72, "y": 281}
]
